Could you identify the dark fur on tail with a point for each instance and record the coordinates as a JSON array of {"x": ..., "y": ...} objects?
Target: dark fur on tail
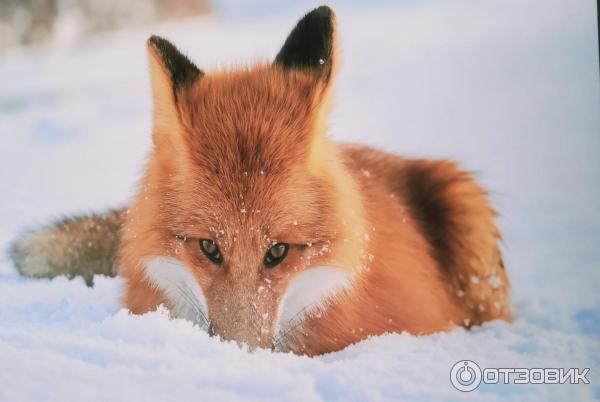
[
  {"x": 456, "y": 218},
  {"x": 76, "y": 246}
]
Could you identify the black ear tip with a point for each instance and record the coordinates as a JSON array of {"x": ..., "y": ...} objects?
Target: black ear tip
[
  {"x": 183, "y": 71},
  {"x": 323, "y": 11},
  {"x": 161, "y": 44},
  {"x": 325, "y": 14},
  {"x": 154, "y": 40},
  {"x": 310, "y": 45}
]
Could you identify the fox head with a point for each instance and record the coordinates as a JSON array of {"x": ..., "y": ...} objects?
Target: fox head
[{"x": 247, "y": 220}]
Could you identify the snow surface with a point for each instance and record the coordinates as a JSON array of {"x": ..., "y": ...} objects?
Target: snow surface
[{"x": 507, "y": 87}]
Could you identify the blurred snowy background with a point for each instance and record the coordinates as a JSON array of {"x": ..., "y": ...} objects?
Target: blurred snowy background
[{"x": 509, "y": 88}]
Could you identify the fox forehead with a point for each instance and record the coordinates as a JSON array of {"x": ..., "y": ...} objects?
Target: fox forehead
[
  {"x": 248, "y": 134},
  {"x": 260, "y": 210},
  {"x": 250, "y": 121}
]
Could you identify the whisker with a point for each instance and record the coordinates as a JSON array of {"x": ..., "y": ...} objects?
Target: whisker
[
  {"x": 296, "y": 321},
  {"x": 186, "y": 293}
]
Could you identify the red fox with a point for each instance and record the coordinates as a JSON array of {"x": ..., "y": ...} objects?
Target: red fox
[{"x": 254, "y": 225}]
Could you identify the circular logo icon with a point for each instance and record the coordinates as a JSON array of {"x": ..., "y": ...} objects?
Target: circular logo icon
[{"x": 465, "y": 375}]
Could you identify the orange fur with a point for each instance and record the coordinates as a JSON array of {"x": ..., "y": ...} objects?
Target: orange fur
[{"x": 242, "y": 158}]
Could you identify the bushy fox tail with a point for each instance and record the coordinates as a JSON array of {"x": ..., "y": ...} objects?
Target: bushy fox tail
[
  {"x": 459, "y": 223},
  {"x": 75, "y": 246}
]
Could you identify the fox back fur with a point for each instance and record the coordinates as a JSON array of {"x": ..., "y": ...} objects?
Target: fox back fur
[{"x": 252, "y": 223}]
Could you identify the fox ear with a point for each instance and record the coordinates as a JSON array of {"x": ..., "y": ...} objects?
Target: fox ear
[
  {"x": 312, "y": 44},
  {"x": 170, "y": 71},
  {"x": 178, "y": 68}
]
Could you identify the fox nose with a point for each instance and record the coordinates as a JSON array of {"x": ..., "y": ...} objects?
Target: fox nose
[{"x": 242, "y": 333}]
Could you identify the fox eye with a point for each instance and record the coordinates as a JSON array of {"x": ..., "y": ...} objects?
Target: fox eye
[
  {"x": 276, "y": 254},
  {"x": 211, "y": 251}
]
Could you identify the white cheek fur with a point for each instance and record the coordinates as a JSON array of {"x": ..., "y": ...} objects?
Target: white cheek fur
[
  {"x": 309, "y": 292},
  {"x": 180, "y": 287}
]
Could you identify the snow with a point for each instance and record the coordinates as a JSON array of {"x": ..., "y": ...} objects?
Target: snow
[{"x": 506, "y": 87}]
